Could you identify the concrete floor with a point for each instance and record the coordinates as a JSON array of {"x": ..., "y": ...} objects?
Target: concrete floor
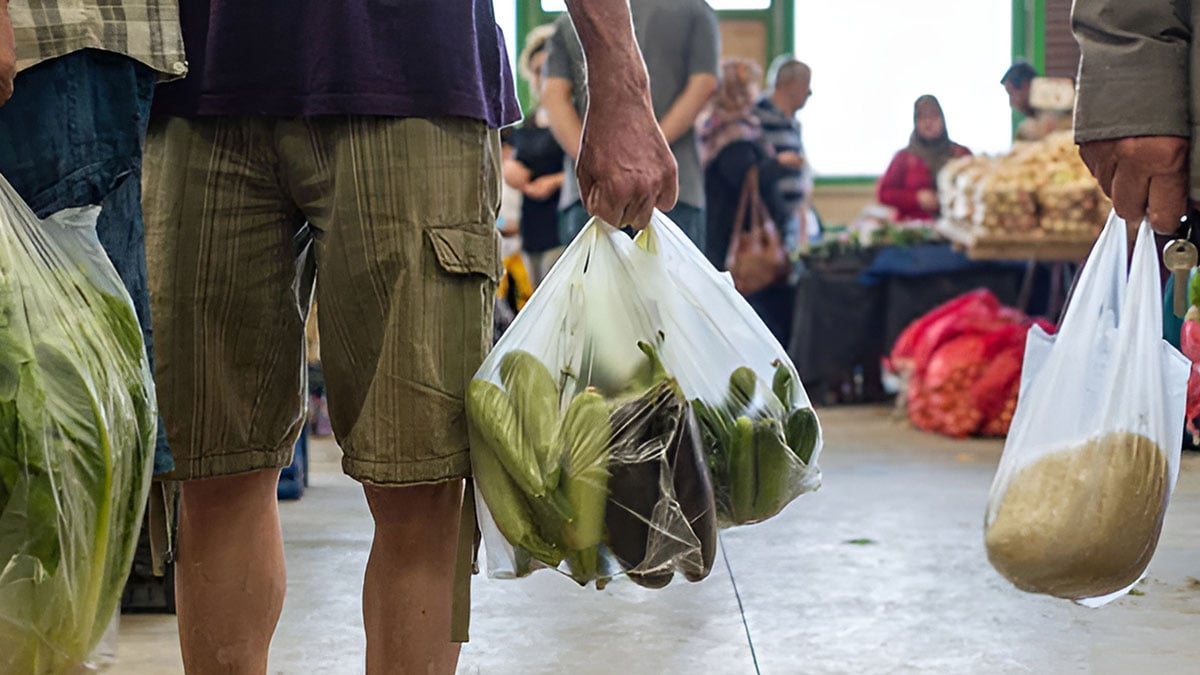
[{"x": 913, "y": 594}]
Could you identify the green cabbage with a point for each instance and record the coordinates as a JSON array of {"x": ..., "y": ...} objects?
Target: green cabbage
[{"x": 77, "y": 432}]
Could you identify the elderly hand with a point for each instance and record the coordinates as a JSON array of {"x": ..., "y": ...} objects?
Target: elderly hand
[
  {"x": 1145, "y": 176},
  {"x": 8, "y": 55},
  {"x": 625, "y": 167}
]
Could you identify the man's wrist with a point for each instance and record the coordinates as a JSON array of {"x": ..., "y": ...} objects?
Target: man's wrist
[{"x": 618, "y": 75}]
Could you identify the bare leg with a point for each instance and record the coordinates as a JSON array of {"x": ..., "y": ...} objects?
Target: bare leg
[
  {"x": 410, "y": 579},
  {"x": 230, "y": 578}
]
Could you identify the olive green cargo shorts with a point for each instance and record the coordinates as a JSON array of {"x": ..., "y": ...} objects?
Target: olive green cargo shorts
[{"x": 391, "y": 222}]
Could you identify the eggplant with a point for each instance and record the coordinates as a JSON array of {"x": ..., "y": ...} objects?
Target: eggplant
[
  {"x": 657, "y": 443},
  {"x": 636, "y": 462},
  {"x": 694, "y": 491}
]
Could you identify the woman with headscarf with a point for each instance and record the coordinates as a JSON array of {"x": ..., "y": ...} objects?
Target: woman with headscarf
[
  {"x": 731, "y": 143},
  {"x": 909, "y": 185}
]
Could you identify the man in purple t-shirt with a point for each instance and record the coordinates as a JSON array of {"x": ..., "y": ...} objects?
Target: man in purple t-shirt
[{"x": 355, "y": 143}]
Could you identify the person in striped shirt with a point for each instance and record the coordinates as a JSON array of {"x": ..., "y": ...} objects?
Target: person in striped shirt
[{"x": 789, "y": 88}]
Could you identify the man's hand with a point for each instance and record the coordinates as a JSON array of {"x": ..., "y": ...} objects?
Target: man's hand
[
  {"x": 8, "y": 54},
  {"x": 1145, "y": 176},
  {"x": 927, "y": 200},
  {"x": 543, "y": 187},
  {"x": 625, "y": 167}
]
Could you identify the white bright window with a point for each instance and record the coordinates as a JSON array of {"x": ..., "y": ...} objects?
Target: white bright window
[
  {"x": 871, "y": 59},
  {"x": 506, "y": 18},
  {"x": 561, "y": 6}
]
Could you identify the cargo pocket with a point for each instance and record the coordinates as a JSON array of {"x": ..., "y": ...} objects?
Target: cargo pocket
[
  {"x": 462, "y": 251},
  {"x": 451, "y": 334},
  {"x": 468, "y": 269}
]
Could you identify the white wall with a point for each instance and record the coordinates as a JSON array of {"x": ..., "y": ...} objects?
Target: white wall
[{"x": 872, "y": 58}]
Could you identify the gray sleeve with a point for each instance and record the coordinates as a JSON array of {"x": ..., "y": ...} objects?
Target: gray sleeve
[
  {"x": 1133, "y": 74},
  {"x": 704, "y": 46},
  {"x": 558, "y": 55}
]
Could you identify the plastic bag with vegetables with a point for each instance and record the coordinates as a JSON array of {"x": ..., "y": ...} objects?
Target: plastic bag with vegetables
[
  {"x": 77, "y": 431},
  {"x": 1078, "y": 500},
  {"x": 628, "y": 412},
  {"x": 762, "y": 437}
]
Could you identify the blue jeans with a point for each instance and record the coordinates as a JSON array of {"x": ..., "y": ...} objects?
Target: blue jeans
[
  {"x": 690, "y": 219},
  {"x": 72, "y": 136}
]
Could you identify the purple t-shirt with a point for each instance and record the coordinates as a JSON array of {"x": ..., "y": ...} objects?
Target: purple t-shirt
[{"x": 402, "y": 58}]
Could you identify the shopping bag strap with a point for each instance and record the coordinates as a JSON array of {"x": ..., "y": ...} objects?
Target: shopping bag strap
[{"x": 749, "y": 203}]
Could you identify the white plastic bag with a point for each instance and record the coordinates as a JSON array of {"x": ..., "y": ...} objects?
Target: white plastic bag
[
  {"x": 104, "y": 656},
  {"x": 1093, "y": 454},
  {"x": 641, "y": 339},
  {"x": 77, "y": 433}
]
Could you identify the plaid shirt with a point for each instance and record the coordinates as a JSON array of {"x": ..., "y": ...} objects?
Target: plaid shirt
[{"x": 145, "y": 30}]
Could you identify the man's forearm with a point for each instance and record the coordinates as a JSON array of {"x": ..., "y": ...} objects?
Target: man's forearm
[
  {"x": 632, "y": 171},
  {"x": 683, "y": 113},
  {"x": 614, "y": 62},
  {"x": 560, "y": 110}
]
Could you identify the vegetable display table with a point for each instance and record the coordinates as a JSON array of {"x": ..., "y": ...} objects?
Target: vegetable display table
[
  {"x": 1036, "y": 246},
  {"x": 850, "y": 308}
]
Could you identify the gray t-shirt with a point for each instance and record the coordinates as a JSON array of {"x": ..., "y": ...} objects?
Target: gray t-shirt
[{"x": 678, "y": 39}]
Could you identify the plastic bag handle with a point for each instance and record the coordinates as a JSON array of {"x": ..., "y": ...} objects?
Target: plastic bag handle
[
  {"x": 1141, "y": 310},
  {"x": 1101, "y": 283}
]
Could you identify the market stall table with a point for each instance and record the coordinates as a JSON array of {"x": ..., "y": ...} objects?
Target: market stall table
[
  {"x": 850, "y": 307},
  {"x": 1038, "y": 246},
  {"x": 1062, "y": 251}
]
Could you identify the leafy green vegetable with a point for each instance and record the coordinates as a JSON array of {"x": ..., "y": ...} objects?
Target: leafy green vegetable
[
  {"x": 77, "y": 432},
  {"x": 839, "y": 241}
]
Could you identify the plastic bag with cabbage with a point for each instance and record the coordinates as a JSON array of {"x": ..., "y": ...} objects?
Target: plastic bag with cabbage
[{"x": 77, "y": 431}]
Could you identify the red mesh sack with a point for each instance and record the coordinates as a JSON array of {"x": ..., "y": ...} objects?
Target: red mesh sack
[{"x": 924, "y": 335}]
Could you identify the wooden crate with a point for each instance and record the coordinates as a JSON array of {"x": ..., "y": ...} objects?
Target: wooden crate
[{"x": 1039, "y": 245}]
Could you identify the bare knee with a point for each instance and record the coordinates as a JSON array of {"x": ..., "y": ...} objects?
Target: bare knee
[
  {"x": 230, "y": 495},
  {"x": 434, "y": 506}
]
